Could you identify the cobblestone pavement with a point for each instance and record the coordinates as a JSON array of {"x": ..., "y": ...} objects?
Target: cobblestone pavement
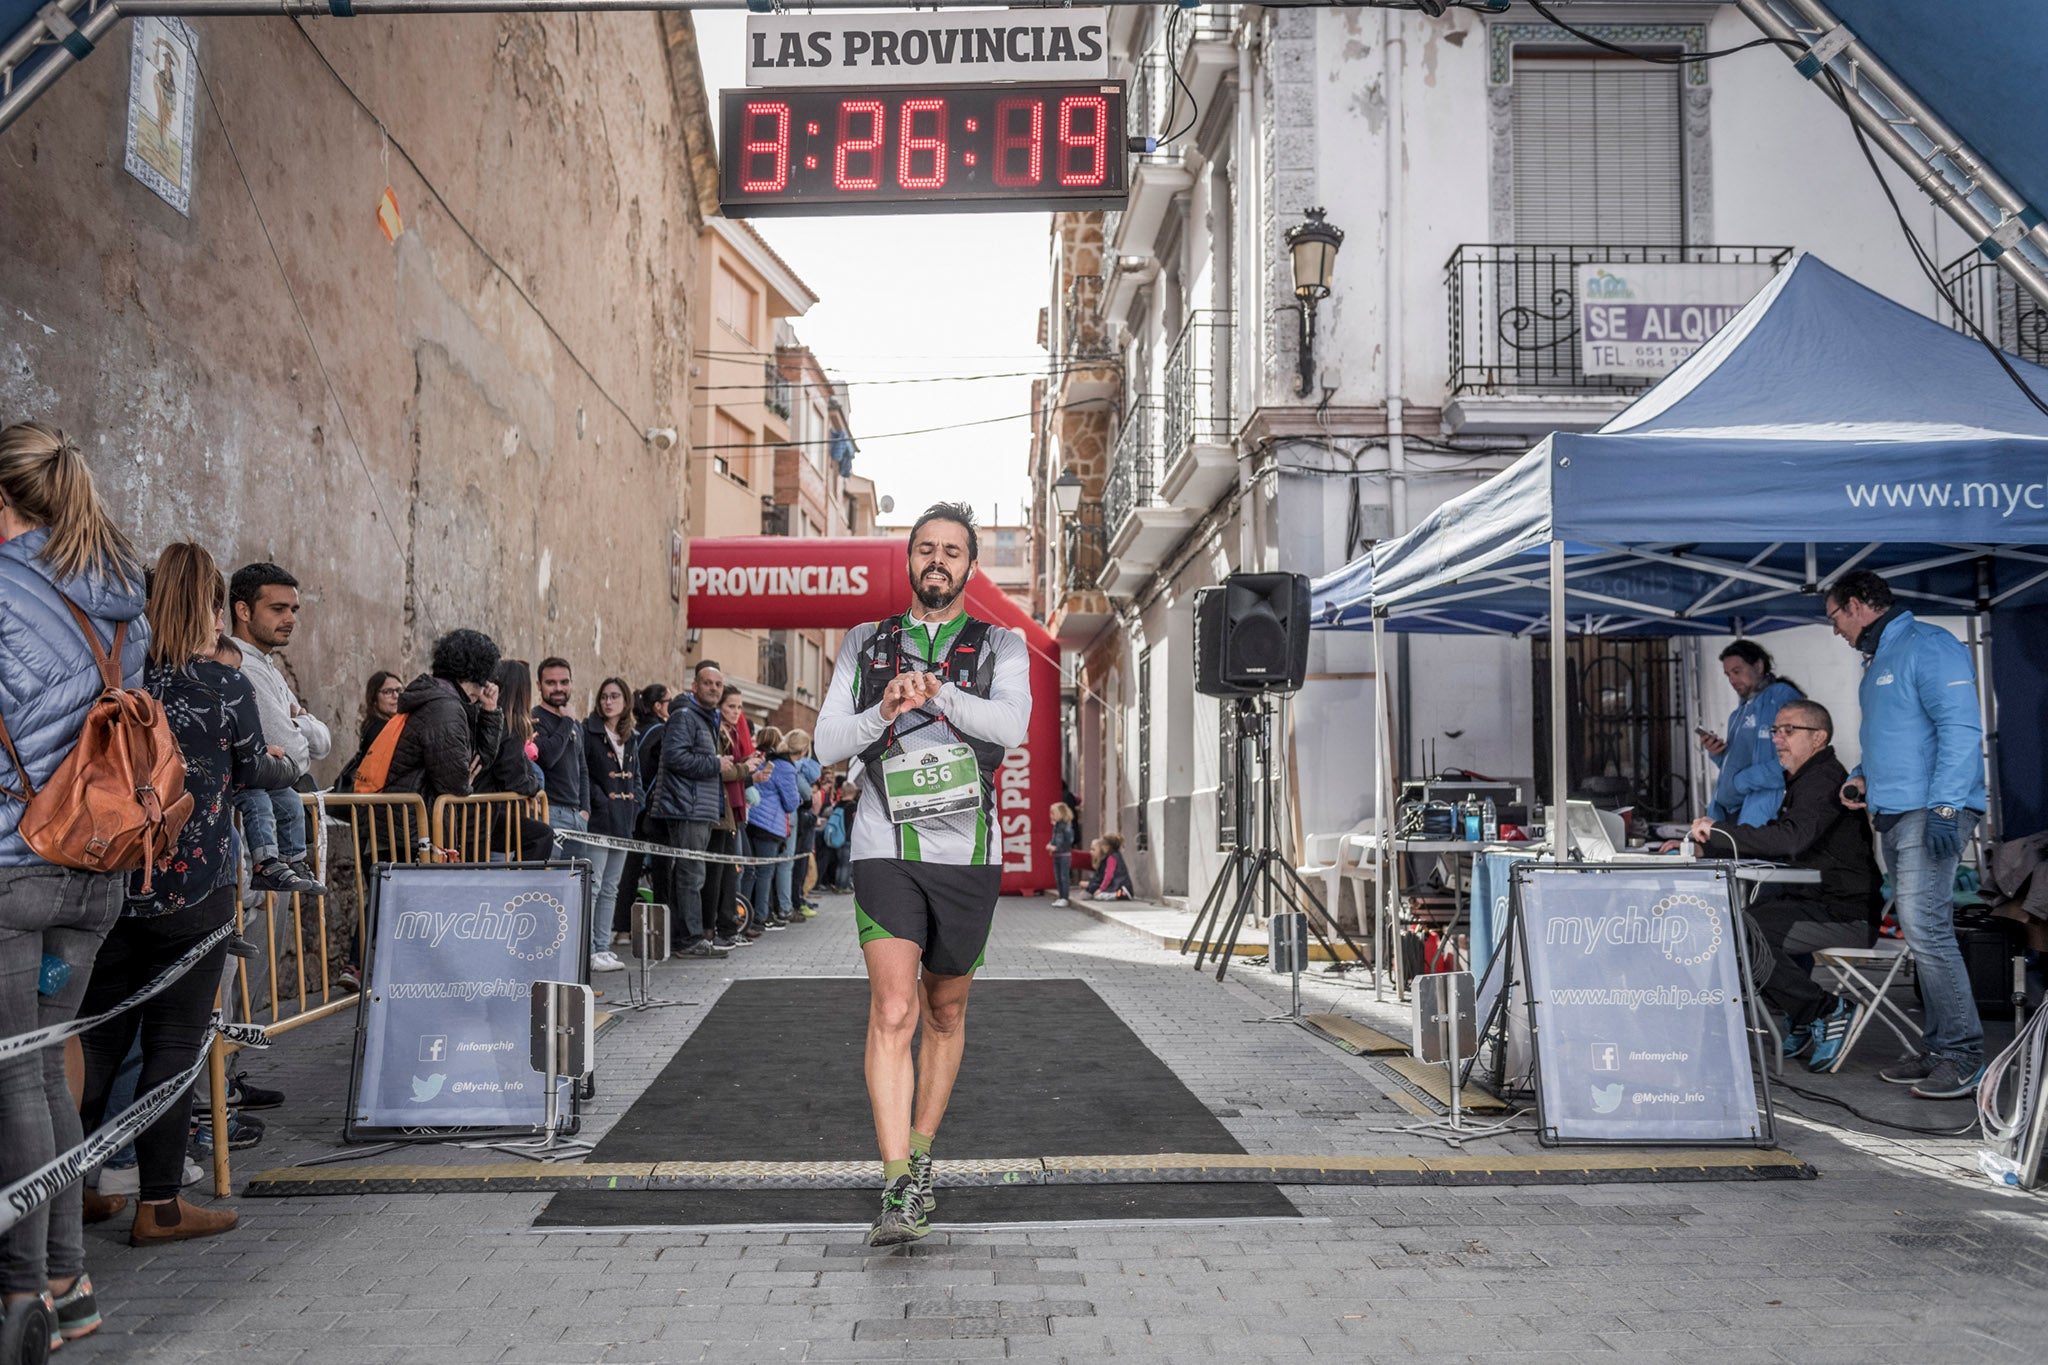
[{"x": 1894, "y": 1254}]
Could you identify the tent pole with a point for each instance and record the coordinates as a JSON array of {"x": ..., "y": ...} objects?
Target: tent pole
[
  {"x": 1559, "y": 731},
  {"x": 1987, "y": 711},
  {"x": 1383, "y": 808}
]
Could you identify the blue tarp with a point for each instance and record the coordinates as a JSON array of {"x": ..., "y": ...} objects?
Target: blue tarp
[
  {"x": 1824, "y": 427},
  {"x": 1978, "y": 66}
]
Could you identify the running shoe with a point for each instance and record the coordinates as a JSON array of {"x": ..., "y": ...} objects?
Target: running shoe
[
  {"x": 1830, "y": 1032},
  {"x": 78, "y": 1313},
  {"x": 242, "y": 1095},
  {"x": 1908, "y": 1070},
  {"x": 902, "y": 1218},
  {"x": 1950, "y": 1080},
  {"x": 921, "y": 1167}
]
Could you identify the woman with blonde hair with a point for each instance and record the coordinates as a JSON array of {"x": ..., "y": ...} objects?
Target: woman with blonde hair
[
  {"x": 212, "y": 710},
  {"x": 793, "y": 881},
  {"x": 65, "y": 568}
]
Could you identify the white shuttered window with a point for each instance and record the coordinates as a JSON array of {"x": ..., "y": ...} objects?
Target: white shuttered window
[{"x": 1598, "y": 153}]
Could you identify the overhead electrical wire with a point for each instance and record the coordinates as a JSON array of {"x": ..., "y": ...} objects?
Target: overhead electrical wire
[
  {"x": 923, "y": 379},
  {"x": 891, "y": 435}
]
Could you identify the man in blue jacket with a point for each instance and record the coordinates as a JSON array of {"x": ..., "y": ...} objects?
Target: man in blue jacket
[
  {"x": 687, "y": 800},
  {"x": 1922, "y": 779},
  {"x": 1751, "y": 783}
]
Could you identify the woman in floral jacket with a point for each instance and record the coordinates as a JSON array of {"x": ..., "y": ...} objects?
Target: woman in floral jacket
[{"x": 213, "y": 713}]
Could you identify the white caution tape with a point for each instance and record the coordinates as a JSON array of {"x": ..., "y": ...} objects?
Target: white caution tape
[
  {"x": 567, "y": 836},
  {"x": 57, "y": 1033},
  {"x": 29, "y": 1193}
]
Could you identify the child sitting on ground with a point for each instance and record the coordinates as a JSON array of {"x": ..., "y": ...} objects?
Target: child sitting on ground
[{"x": 1112, "y": 880}]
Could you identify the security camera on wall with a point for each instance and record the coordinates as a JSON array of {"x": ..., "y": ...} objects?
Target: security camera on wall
[{"x": 662, "y": 438}]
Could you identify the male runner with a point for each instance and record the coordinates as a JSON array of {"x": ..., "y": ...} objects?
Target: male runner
[{"x": 928, "y": 702}]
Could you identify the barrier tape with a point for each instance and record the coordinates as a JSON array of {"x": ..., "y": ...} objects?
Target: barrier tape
[
  {"x": 57, "y": 1033},
  {"x": 32, "y": 1191},
  {"x": 668, "y": 851}
]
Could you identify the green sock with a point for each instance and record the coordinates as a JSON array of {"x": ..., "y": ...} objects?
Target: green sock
[
  {"x": 892, "y": 1169},
  {"x": 920, "y": 1142}
]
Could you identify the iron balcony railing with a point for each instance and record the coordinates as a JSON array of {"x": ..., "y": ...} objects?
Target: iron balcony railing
[
  {"x": 772, "y": 664},
  {"x": 1198, "y": 383},
  {"x": 1083, "y": 548},
  {"x": 2015, "y": 320},
  {"x": 776, "y": 388},
  {"x": 1514, "y": 312},
  {"x": 1135, "y": 464},
  {"x": 1209, "y": 24},
  {"x": 1084, "y": 333}
]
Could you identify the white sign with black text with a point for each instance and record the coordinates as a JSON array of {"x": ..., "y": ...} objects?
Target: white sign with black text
[{"x": 934, "y": 47}]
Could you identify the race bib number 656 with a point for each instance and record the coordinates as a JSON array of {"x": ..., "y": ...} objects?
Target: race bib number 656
[{"x": 931, "y": 782}]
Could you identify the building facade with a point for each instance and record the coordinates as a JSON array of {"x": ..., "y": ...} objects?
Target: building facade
[
  {"x": 1479, "y": 166},
  {"x": 402, "y": 304}
]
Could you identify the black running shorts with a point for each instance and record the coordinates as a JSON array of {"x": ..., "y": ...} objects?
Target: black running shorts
[{"x": 946, "y": 909}]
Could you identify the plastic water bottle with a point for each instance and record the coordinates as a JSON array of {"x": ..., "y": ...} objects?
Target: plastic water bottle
[
  {"x": 1471, "y": 819},
  {"x": 1489, "y": 821}
]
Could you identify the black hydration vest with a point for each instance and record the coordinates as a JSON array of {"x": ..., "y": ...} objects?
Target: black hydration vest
[{"x": 966, "y": 666}]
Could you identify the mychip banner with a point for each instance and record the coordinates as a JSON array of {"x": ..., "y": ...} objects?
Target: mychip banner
[
  {"x": 445, "y": 1014},
  {"x": 1635, "y": 979}
]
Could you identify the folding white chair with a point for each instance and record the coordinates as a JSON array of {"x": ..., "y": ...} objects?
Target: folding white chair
[
  {"x": 1325, "y": 853},
  {"x": 1866, "y": 977}
]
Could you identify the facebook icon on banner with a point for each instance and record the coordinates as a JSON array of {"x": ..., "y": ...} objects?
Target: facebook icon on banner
[
  {"x": 1606, "y": 1057},
  {"x": 433, "y": 1047}
]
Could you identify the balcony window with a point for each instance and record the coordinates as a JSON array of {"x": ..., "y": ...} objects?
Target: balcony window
[
  {"x": 1135, "y": 466},
  {"x": 1514, "y": 312},
  {"x": 2015, "y": 320},
  {"x": 1082, "y": 546},
  {"x": 773, "y": 661},
  {"x": 775, "y": 389},
  {"x": 1198, "y": 383},
  {"x": 1598, "y": 152}
]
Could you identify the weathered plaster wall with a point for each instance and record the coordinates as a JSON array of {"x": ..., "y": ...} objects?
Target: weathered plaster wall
[{"x": 478, "y": 458}]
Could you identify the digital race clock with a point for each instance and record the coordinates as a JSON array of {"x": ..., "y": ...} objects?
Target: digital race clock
[{"x": 922, "y": 149}]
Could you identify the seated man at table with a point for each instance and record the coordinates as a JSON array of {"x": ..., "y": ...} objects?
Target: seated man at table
[{"x": 1813, "y": 830}]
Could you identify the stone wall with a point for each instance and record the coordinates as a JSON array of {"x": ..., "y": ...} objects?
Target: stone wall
[{"x": 438, "y": 430}]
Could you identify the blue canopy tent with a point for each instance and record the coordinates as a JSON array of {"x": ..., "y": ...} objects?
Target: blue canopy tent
[{"x": 1824, "y": 428}]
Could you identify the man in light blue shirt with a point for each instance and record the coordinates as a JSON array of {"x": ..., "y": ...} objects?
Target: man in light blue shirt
[
  {"x": 1751, "y": 783},
  {"x": 1922, "y": 779}
]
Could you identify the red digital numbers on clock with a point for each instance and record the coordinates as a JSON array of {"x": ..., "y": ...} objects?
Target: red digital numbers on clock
[
  {"x": 775, "y": 147},
  {"x": 866, "y": 150},
  {"x": 868, "y": 145}
]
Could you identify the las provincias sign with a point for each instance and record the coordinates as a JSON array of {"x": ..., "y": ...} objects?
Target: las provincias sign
[{"x": 928, "y": 48}]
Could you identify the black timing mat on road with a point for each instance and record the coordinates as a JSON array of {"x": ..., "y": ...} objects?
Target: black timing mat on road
[{"x": 774, "y": 1074}]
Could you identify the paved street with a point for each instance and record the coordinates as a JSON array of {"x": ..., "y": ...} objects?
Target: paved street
[{"x": 1893, "y": 1254}]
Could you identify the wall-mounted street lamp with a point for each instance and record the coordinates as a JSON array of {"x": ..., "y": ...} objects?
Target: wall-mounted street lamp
[
  {"x": 1066, "y": 494},
  {"x": 1314, "y": 246}
]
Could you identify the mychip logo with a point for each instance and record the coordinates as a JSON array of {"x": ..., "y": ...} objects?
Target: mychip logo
[
  {"x": 532, "y": 925},
  {"x": 1683, "y": 926}
]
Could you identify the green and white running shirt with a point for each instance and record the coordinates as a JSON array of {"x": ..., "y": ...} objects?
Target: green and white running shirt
[{"x": 964, "y": 837}]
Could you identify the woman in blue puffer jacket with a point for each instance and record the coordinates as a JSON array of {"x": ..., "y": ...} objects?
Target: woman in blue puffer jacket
[
  {"x": 771, "y": 829},
  {"x": 57, "y": 545}
]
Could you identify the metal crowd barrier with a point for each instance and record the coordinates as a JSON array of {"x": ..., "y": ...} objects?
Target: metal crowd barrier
[
  {"x": 383, "y": 828},
  {"x": 485, "y": 828}
]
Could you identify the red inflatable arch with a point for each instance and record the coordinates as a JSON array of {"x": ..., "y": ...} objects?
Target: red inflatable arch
[{"x": 777, "y": 583}]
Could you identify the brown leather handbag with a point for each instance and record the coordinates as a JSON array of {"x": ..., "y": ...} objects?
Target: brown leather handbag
[{"x": 118, "y": 800}]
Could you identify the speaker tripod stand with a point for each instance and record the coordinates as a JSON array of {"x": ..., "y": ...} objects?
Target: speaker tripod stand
[{"x": 1258, "y": 874}]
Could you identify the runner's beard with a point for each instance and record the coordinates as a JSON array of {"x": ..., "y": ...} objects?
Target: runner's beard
[{"x": 936, "y": 599}]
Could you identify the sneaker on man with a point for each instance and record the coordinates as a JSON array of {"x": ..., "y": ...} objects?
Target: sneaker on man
[
  {"x": 921, "y": 1167},
  {"x": 244, "y": 1132},
  {"x": 774, "y": 924},
  {"x": 606, "y": 961},
  {"x": 77, "y": 1312},
  {"x": 902, "y": 1218},
  {"x": 1908, "y": 1070},
  {"x": 242, "y": 1095},
  {"x": 275, "y": 874},
  {"x": 1950, "y": 1080},
  {"x": 703, "y": 947},
  {"x": 1829, "y": 1034},
  {"x": 810, "y": 912},
  {"x": 723, "y": 942}
]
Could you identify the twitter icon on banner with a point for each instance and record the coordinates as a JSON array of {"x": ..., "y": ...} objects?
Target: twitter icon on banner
[
  {"x": 425, "y": 1090},
  {"x": 1606, "y": 1098}
]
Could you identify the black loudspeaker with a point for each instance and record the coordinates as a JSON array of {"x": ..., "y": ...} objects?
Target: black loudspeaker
[
  {"x": 1209, "y": 647},
  {"x": 1265, "y": 630},
  {"x": 1251, "y": 635}
]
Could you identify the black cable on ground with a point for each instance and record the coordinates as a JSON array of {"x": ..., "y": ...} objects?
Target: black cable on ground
[{"x": 1818, "y": 1098}]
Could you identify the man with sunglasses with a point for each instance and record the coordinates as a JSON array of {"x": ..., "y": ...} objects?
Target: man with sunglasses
[{"x": 1814, "y": 830}]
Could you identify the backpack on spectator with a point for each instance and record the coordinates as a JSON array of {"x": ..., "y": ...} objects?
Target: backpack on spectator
[
  {"x": 118, "y": 799},
  {"x": 835, "y": 828},
  {"x": 374, "y": 771}
]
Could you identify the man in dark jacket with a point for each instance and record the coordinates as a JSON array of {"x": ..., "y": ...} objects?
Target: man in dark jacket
[
  {"x": 686, "y": 800},
  {"x": 558, "y": 735},
  {"x": 1811, "y": 830},
  {"x": 452, "y": 722}
]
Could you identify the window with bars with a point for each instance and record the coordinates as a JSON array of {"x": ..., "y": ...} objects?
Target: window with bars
[
  {"x": 1142, "y": 836},
  {"x": 1598, "y": 151}
]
